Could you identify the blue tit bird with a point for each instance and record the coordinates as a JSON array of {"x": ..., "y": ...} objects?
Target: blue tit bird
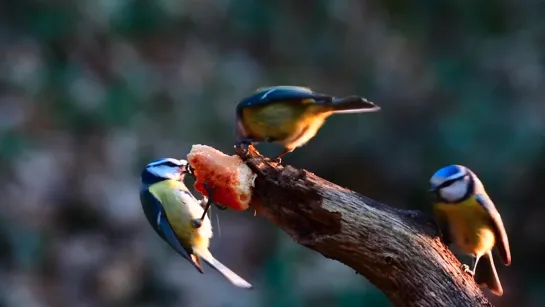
[
  {"x": 469, "y": 219},
  {"x": 290, "y": 115},
  {"x": 178, "y": 217}
]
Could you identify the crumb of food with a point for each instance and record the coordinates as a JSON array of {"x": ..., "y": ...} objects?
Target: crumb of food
[{"x": 232, "y": 179}]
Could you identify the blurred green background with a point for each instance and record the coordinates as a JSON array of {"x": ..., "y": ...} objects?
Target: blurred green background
[{"x": 90, "y": 91}]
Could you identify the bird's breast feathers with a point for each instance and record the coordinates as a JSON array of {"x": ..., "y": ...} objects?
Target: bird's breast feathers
[
  {"x": 180, "y": 208},
  {"x": 276, "y": 120},
  {"x": 469, "y": 226},
  {"x": 288, "y": 123}
]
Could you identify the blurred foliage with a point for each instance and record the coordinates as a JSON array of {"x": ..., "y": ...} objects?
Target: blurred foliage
[{"x": 92, "y": 90}]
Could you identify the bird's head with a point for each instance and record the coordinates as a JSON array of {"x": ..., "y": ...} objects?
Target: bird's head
[
  {"x": 452, "y": 183},
  {"x": 164, "y": 169}
]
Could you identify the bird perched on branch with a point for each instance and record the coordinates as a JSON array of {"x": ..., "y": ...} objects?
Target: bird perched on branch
[
  {"x": 290, "y": 115},
  {"x": 178, "y": 217},
  {"x": 468, "y": 217}
]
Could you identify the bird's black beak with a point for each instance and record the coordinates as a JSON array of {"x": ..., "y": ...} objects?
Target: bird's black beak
[
  {"x": 433, "y": 189},
  {"x": 187, "y": 170}
]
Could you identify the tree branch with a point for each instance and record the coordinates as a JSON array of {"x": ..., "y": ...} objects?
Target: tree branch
[{"x": 399, "y": 251}]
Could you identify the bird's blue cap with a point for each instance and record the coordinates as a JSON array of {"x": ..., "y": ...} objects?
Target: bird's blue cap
[
  {"x": 447, "y": 172},
  {"x": 173, "y": 161},
  {"x": 450, "y": 170}
]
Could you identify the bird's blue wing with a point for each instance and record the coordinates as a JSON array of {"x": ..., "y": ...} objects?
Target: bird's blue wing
[
  {"x": 157, "y": 217},
  {"x": 281, "y": 93},
  {"x": 502, "y": 243}
]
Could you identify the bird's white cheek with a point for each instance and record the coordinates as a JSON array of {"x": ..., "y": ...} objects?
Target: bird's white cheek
[
  {"x": 455, "y": 191},
  {"x": 166, "y": 172}
]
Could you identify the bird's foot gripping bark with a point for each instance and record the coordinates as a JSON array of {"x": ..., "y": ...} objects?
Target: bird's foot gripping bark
[
  {"x": 243, "y": 146},
  {"x": 467, "y": 270}
]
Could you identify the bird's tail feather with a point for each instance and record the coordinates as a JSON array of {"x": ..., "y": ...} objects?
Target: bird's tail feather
[
  {"x": 225, "y": 271},
  {"x": 485, "y": 273},
  {"x": 353, "y": 104}
]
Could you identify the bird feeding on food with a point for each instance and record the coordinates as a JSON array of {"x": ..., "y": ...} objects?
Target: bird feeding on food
[{"x": 290, "y": 115}]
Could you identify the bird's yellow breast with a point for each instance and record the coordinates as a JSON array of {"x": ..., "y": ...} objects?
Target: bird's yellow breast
[
  {"x": 469, "y": 226},
  {"x": 180, "y": 213},
  {"x": 288, "y": 123}
]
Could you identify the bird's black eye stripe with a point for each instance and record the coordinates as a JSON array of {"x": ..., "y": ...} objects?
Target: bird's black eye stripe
[{"x": 447, "y": 183}]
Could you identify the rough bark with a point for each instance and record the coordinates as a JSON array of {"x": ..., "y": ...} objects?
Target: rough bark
[{"x": 399, "y": 251}]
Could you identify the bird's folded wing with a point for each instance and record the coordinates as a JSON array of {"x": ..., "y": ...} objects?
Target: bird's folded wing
[
  {"x": 502, "y": 242},
  {"x": 168, "y": 234},
  {"x": 277, "y": 94}
]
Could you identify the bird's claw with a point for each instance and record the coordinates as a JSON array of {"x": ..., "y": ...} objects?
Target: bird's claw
[
  {"x": 278, "y": 158},
  {"x": 467, "y": 270},
  {"x": 209, "y": 190},
  {"x": 197, "y": 223},
  {"x": 244, "y": 145}
]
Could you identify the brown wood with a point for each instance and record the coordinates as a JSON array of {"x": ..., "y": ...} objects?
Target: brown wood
[{"x": 399, "y": 251}]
